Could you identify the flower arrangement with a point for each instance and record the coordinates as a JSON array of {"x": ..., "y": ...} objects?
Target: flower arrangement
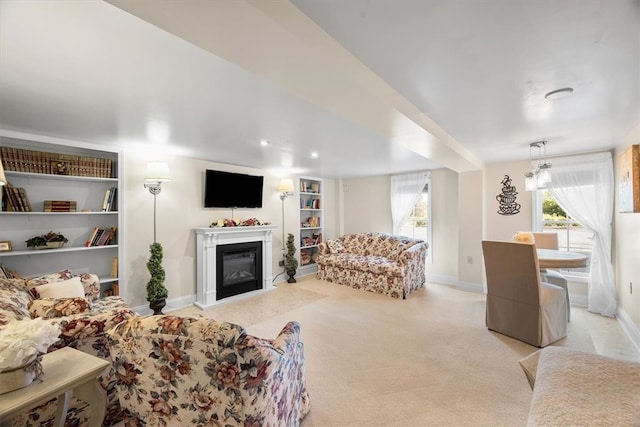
[
  {"x": 523, "y": 237},
  {"x": 45, "y": 239},
  {"x": 234, "y": 222},
  {"x": 21, "y": 341}
]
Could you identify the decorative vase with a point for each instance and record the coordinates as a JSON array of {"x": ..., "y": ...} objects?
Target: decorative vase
[
  {"x": 157, "y": 306},
  {"x": 291, "y": 273},
  {"x": 22, "y": 376}
]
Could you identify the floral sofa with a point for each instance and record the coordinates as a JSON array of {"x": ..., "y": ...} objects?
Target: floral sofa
[
  {"x": 83, "y": 322},
  {"x": 178, "y": 371},
  {"x": 376, "y": 262}
]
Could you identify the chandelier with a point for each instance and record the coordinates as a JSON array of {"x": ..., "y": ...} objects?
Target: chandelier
[{"x": 538, "y": 177}]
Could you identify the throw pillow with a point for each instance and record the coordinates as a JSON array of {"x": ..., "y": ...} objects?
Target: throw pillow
[
  {"x": 335, "y": 246},
  {"x": 49, "y": 278},
  {"x": 71, "y": 288},
  {"x": 49, "y": 308}
]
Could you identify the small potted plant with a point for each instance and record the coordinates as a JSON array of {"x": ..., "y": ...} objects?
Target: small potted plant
[
  {"x": 50, "y": 240},
  {"x": 156, "y": 291},
  {"x": 290, "y": 261}
]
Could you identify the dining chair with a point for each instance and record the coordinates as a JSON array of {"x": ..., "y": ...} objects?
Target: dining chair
[
  {"x": 519, "y": 304},
  {"x": 550, "y": 241}
]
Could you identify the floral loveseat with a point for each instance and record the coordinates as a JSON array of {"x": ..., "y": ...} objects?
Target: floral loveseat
[
  {"x": 83, "y": 322},
  {"x": 376, "y": 262},
  {"x": 179, "y": 371}
]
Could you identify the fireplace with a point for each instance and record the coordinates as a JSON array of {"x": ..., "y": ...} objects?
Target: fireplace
[
  {"x": 248, "y": 274},
  {"x": 239, "y": 269}
]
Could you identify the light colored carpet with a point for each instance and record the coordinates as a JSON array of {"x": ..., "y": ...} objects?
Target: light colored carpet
[{"x": 372, "y": 360}]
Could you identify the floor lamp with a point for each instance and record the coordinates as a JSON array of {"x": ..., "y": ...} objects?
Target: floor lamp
[
  {"x": 156, "y": 174},
  {"x": 285, "y": 189}
]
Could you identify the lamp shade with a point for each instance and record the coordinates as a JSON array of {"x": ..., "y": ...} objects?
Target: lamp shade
[
  {"x": 285, "y": 186},
  {"x": 3, "y": 178},
  {"x": 157, "y": 172}
]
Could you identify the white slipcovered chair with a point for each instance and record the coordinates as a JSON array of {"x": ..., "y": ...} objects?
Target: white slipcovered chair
[
  {"x": 519, "y": 305},
  {"x": 550, "y": 241}
]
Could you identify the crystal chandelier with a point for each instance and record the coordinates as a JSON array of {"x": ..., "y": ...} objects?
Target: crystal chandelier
[{"x": 538, "y": 178}]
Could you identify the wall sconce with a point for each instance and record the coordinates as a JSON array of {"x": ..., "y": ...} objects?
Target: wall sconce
[
  {"x": 538, "y": 178},
  {"x": 3, "y": 178},
  {"x": 156, "y": 174},
  {"x": 285, "y": 188}
]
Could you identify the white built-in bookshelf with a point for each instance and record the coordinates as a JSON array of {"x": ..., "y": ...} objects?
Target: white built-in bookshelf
[{"x": 68, "y": 187}]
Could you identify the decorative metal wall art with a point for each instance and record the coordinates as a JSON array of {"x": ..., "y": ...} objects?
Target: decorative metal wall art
[{"x": 507, "y": 199}]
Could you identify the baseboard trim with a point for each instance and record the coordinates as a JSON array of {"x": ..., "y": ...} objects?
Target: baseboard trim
[
  {"x": 629, "y": 327},
  {"x": 172, "y": 304},
  {"x": 458, "y": 284}
]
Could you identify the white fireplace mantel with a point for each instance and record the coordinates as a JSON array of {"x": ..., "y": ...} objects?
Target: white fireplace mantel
[{"x": 207, "y": 239}]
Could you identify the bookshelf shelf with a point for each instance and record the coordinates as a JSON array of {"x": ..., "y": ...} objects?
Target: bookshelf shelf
[
  {"x": 50, "y": 251},
  {"x": 76, "y": 201}
]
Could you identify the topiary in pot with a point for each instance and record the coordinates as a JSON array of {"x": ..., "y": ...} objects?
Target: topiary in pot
[
  {"x": 290, "y": 261},
  {"x": 156, "y": 291}
]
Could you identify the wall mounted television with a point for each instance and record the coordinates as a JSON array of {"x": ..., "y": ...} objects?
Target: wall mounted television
[{"x": 232, "y": 190}]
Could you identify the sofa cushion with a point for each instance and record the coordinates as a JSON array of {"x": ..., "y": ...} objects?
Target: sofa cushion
[
  {"x": 90, "y": 282},
  {"x": 71, "y": 288},
  {"x": 49, "y": 278},
  {"x": 14, "y": 300},
  {"x": 335, "y": 246},
  {"x": 370, "y": 263},
  {"x": 48, "y": 308}
]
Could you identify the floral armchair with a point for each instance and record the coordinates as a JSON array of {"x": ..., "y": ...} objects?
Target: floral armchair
[
  {"x": 376, "y": 262},
  {"x": 190, "y": 371},
  {"x": 83, "y": 322}
]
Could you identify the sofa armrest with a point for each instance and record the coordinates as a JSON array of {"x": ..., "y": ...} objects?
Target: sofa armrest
[
  {"x": 79, "y": 326},
  {"x": 283, "y": 374}
]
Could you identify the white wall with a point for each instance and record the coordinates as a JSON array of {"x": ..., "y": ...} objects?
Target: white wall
[
  {"x": 626, "y": 255},
  {"x": 470, "y": 228},
  {"x": 180, "y": 210},
  {"x": 366, "y": 205},
  {"x": 444, "y": 213},
  {"x": 502, "y": 227}
]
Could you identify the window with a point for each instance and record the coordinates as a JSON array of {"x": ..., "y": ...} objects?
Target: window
[
  {"x": 572, "y": 236},
  {"x": 418, "y": 224}
]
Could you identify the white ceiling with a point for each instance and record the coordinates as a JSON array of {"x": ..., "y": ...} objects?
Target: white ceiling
[{"x": 374, "y": 87}]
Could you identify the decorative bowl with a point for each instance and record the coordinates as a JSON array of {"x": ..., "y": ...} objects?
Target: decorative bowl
[{"x": 50, "y": 245}]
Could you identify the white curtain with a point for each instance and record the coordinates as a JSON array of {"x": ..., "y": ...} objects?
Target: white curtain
[
  {"x": 405, "y": 190},
  {"x": 584, "y": 186}
]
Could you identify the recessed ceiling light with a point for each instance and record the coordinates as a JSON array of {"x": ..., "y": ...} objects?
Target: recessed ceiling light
[
  {"x": 264, "y": 142},
  {"x": 314, "y": 155},
  {"x": 559, "y": 93}
]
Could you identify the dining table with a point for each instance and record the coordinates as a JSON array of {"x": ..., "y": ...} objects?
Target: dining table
[{"x": 555, "y": 259}]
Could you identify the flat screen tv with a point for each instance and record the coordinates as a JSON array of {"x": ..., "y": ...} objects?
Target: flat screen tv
[{"x": 232, "y": 190}]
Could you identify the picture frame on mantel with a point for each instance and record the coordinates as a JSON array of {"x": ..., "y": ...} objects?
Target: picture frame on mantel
[{"x": 629, "y": 180}]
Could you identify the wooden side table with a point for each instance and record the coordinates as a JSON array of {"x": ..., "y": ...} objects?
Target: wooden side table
[{"x": 66, "y": 371}]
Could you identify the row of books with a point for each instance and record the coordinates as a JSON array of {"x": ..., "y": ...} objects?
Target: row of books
[
  {"x": 312, "y": 221},
  {"x": 15, "y": 199},
  {"x": 60, "y": 206},
  {"x": 23, "y": 160},
  {"x": 309, "y": 187},
  {"x": 310, "y": 203},
  {"x": 113, "y": 292},
  {"x": 312, "y": 240},
  {"x": 109, "y": 203},
  {"x": 101, "y": 236},
  {"x": 5, "y": 273}
]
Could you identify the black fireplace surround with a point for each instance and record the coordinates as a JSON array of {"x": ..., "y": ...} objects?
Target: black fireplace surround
[{"x": 238, "y": 269}]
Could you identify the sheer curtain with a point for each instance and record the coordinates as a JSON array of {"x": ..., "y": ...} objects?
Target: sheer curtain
[
  {"x": 584, "y": 186},
  {"x": 405, "y": 190}
]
